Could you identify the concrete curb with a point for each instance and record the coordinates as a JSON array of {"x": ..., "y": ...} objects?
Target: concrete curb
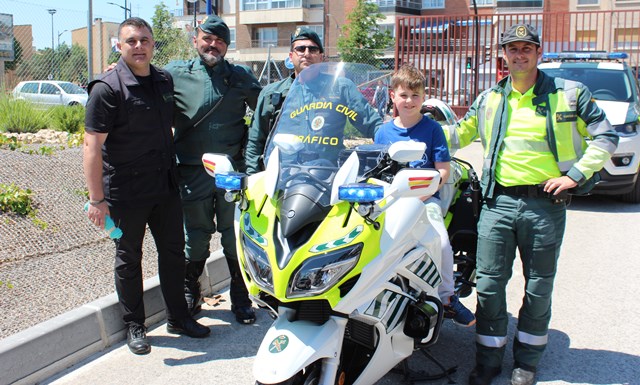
[{"x": 45, "y": 349}]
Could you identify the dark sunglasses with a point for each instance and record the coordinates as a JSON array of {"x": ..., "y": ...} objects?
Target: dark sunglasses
[{"x": 302, "y": 48}]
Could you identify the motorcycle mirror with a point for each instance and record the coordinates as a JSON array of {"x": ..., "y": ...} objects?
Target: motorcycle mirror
[
  {"x": 217, "y": 163},
  {"x": 407, "y": 151}
]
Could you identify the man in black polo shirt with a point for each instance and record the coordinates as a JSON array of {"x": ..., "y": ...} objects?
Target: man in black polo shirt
[{"x": 129, "y": 164}]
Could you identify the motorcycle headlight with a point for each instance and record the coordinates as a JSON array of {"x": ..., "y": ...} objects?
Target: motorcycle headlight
[
  {"x": 627, "y": 129},
  {"x": 258, "y": 264},
  {"x": 318, "y": 274}
]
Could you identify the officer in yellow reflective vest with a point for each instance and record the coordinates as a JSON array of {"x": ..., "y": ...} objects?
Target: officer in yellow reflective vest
[{"x": 533, "y": 129}]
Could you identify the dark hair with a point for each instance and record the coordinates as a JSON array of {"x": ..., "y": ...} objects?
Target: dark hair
[{"x": 135, "y": 22}]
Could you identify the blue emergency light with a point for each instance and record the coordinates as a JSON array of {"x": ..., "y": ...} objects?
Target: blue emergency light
[
  {"x": 232, "y": 181},
  {"x": 360, "y": 192},
  {"x": 584, "y": 55}
]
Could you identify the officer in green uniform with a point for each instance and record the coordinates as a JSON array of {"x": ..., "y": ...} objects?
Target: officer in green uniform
[
  {"x": 533, "y": 129},
  {"x": 306, "y": 49},
  {"x": 211, "y": 96}
]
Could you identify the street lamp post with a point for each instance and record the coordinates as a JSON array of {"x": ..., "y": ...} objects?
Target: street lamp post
[
  {"x": 127, "y": 10},
  {"x": 60, "y": 34},
  {"x": 53, "y": 52},
  {"x": 58, "y": 48},
  {"x": 195, "y": 22}
]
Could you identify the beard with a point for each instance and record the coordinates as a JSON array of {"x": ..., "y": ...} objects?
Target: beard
[{"x": 211, "y": 57}]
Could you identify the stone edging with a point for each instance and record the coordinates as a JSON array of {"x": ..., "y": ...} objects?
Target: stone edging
[{"x": 48, "y": 348}]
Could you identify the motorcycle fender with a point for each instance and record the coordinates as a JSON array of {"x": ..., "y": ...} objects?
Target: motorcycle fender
[{"x": 288, "y": 347}]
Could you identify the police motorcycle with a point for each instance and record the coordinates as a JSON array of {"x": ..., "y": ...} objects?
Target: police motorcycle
[
  {"x": 461, "y": 203},
  {"x": 334, "y": 240}
]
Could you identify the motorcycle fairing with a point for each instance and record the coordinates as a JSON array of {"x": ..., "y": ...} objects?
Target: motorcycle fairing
[{"x": 299, "y": 353}]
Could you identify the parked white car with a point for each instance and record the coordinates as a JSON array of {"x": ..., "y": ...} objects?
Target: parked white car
[
  {"x": 615, "y": 89},
  {"x": 49, "y": 93}
]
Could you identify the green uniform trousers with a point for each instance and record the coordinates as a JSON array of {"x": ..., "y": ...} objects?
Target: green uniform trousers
[
  {"x": 205, "y": 212},
  {"x": 535, "y": 227}
]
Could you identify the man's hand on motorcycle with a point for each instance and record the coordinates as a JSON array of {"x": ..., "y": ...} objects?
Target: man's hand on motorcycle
[{"x": 557, "y": 185}]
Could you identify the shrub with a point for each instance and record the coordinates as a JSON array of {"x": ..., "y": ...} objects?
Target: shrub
[
  {"x": 21, "y": 116},
  {"x": 67, "y": 118},
  {"x": 14, "y": 199}
]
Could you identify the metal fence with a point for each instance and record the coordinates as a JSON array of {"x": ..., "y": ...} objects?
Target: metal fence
[{"x": 461, "y": 55}]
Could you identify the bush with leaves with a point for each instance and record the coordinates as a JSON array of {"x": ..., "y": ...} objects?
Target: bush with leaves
[
  {"x": 20, "y": 116},
  {"x": 14, "y": 199},
  {"x": 68, "y": 118}
]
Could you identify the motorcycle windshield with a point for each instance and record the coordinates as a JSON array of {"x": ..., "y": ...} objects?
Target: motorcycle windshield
[{"x": 324, "y": 106}]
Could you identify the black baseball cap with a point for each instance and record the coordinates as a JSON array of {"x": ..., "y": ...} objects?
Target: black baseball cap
[{"x": 520, "y": 32}]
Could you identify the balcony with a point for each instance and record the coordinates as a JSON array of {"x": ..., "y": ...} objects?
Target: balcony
[{"x": 273, "y": 16}]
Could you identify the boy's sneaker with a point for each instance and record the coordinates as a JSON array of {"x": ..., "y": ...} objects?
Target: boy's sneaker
[{"x": 460, "y": 314}]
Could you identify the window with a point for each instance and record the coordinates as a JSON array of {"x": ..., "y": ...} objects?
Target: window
[
  {"x": 388, "y": 27},
  {"x": 481, "y": 2},
  {"x": 49, "y": 89},
  {"x": 252, "y": 5},
  {"x": 426, "y": 4},
  {"x": 586, "y": 40},
  {"x": 286, "y": 3},
  {"x": 588, "y": 2},
  {"x": 30, "y": 88},
  {"x": 232, "y": 38},
  {"x": 627, "y": 38},
  {"x": 266, "y": 37},
  {"x": 519, "y": 3},
  {"x": 409, "y": 4},
  {"x": 317, "y": 28}
]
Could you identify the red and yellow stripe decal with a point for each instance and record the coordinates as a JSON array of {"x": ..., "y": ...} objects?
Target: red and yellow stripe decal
[
  {"x": 209, "y": 165},
  {"x": 419, "y": 182}
]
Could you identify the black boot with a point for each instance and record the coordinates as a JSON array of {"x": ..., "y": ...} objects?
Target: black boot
[{"x": 192, "y": 292}]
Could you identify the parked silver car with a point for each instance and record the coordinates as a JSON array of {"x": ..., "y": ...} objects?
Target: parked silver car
[{"x": 49, "y": 93}]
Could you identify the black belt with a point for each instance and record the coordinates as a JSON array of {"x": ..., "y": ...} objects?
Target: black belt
[{"x": 531, "y": 191}]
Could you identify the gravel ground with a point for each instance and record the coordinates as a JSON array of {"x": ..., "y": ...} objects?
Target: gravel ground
[{"x": 57, "y": 260}]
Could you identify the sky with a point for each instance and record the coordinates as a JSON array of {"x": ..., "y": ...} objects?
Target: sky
[{"x": 72, "y": 14}]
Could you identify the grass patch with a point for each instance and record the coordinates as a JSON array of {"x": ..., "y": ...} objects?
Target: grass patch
[
  {"x": 20, "y": 116},
  {"x": 67, "y": 118}
]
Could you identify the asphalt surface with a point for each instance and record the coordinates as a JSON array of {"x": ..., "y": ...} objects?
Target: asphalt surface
[{"x": 593, "y": 337}]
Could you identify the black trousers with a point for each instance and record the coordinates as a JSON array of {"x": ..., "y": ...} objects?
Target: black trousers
[{"x": 165, "y": 222}]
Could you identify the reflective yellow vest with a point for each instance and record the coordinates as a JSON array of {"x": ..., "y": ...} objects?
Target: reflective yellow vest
[{"x": 571, "y": 115}]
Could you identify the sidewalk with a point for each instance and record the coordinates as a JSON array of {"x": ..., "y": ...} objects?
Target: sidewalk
[{"x": 593, "y": 337}]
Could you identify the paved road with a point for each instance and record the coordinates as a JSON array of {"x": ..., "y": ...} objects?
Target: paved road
[{"x": 594, "y": 336}]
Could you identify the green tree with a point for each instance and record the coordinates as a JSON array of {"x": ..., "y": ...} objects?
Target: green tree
[
  {"x": 71, "y": 63},
  {"x": 171, "y": 43},
  {"x": 363, "y": 42}
]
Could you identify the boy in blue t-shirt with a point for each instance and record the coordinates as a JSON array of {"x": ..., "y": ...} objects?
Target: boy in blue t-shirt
[{"x": 408, "y": 95}]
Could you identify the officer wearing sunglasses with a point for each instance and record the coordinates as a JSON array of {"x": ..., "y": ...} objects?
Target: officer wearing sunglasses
[{"x": 306, "y": 49}]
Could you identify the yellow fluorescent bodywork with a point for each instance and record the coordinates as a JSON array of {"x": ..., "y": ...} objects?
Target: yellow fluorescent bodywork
[{"x": 340, "y": 222}]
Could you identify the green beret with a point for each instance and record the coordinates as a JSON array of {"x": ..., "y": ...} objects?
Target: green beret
[
  {"x": 305, "y": 33},
  {"x": 214, "y": 25},
  {"x": 520, "y": 32}
]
